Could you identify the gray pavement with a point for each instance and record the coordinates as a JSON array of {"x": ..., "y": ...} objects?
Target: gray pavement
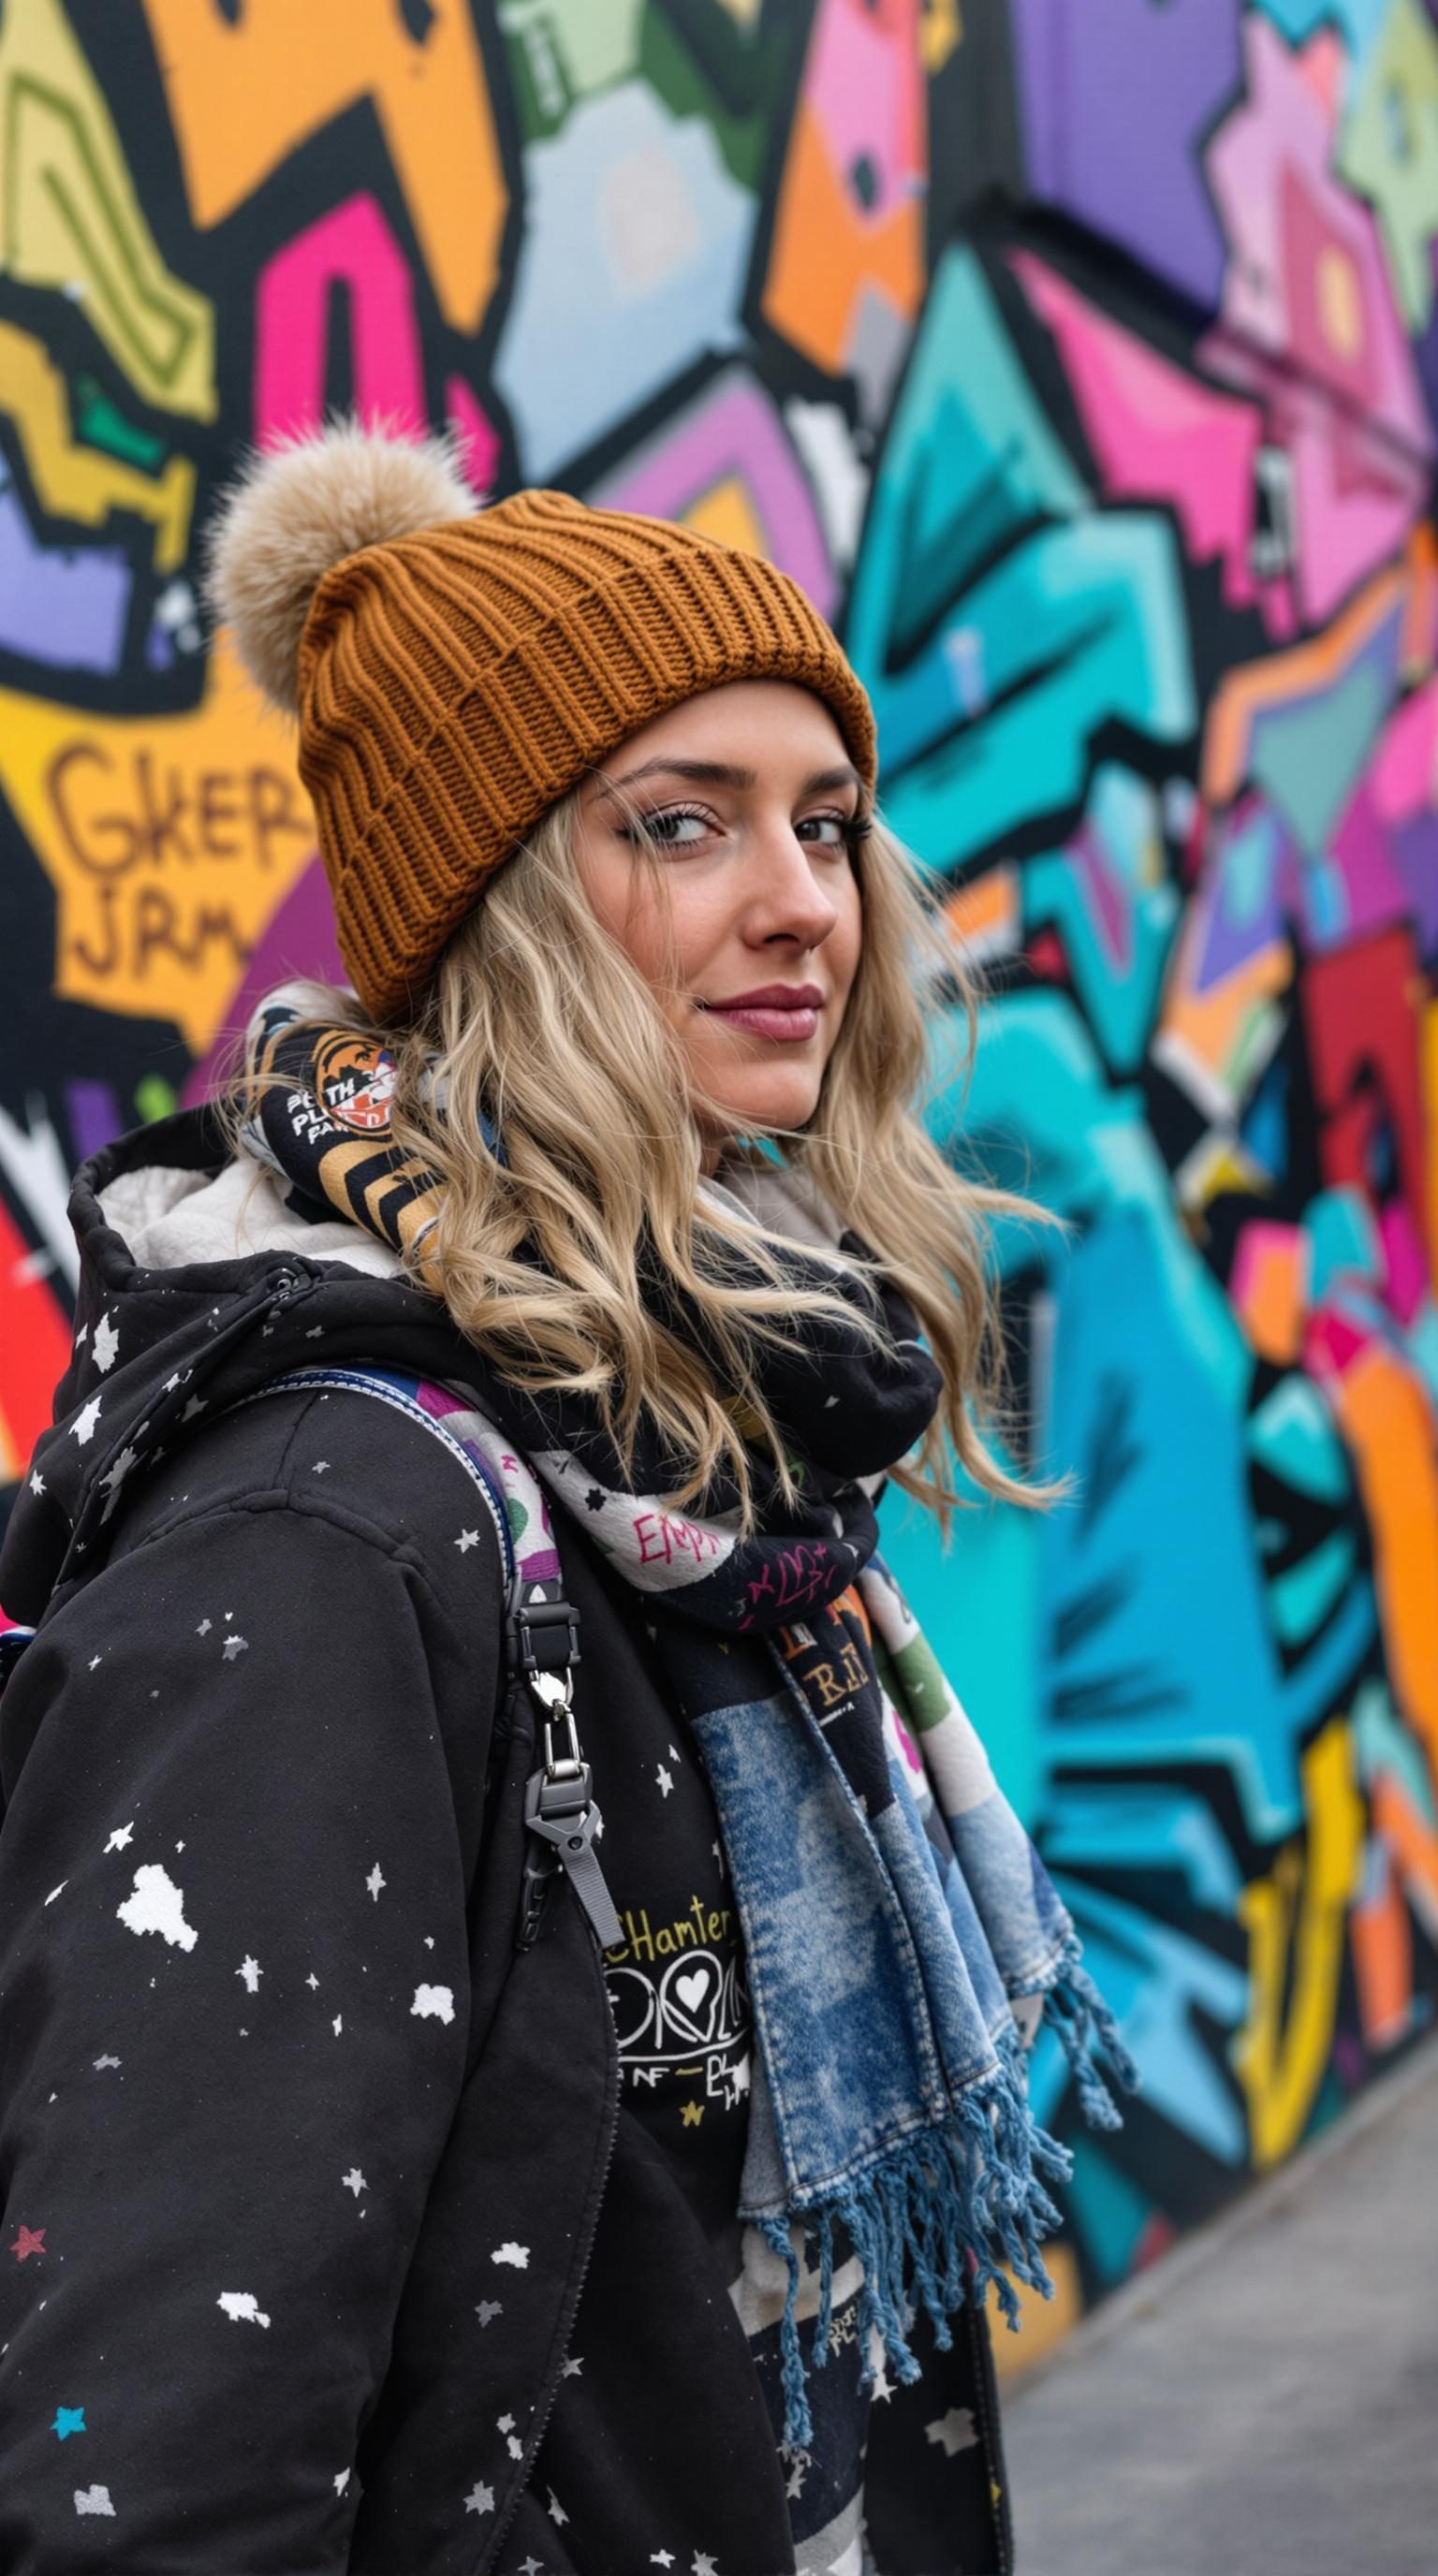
[{"x": 1265, "y": 2402}]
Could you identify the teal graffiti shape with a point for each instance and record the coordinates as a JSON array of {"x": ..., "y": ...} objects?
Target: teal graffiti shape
[{"x": 998, "y": 619}]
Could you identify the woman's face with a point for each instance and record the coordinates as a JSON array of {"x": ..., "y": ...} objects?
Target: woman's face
[{"x": 750, "y": 801}]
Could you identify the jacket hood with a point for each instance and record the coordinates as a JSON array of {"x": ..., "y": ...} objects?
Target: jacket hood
[
  {"x": 202, "y": 1277},
  {"x": 199, "y": 1282}
]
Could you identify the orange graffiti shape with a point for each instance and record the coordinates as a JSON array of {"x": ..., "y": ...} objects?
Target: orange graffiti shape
[
  {"x": 170, "y": 842},
  {"x": 1270, "y": 1288},
  {"x": 1385, "y": 1415},
  {"x": 1381, "y": 1937},
  {"x": 247, "y": 91},
  {"x": 1224, "y": 1027},
  {"x": 1414, "y": 1845},
  {"x": 986, "y": 911},
  {"x": 1042, "y": 2322},
  {"x": 830, "y": 252}
]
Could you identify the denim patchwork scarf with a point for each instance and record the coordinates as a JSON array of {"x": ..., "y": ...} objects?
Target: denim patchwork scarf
[{"x": 895, "y": 1912}]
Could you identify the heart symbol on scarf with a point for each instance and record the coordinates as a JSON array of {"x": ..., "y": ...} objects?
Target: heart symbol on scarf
[{"x": 689, "y": 1999}]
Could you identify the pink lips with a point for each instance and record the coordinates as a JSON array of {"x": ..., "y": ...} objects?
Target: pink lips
[{"x": 788, "y": 1012}]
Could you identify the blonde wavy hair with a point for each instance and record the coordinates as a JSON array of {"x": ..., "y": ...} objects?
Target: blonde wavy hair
[{"x": 537, "y": 1018}]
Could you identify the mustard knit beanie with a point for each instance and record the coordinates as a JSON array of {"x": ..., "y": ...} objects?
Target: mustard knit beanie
[{"x": 455, "y": 670}]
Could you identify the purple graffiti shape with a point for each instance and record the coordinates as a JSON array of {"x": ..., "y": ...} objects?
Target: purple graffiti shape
[
  {"x": 1115, "y": 96},
  {"x": 61, "y": 605}
]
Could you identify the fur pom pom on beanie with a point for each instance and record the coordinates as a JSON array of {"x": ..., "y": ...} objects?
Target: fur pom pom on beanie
[{"x": 455, "y": 669}]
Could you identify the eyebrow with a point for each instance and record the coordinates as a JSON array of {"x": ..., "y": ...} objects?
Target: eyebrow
[{"x": 724, "y": 773}]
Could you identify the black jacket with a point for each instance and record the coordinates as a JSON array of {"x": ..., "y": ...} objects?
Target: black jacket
[{"x": 311, "y": 2182}]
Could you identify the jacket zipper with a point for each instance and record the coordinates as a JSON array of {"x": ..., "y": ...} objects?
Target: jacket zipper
[{"x": 550, "y": 2396}]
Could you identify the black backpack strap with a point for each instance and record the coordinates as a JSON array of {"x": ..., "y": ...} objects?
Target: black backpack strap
[
  {"x": 541, "y": 1647},
  {"x": 559, "y": 1808}
]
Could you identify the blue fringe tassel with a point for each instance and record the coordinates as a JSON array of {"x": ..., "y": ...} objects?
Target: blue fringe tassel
[
  {"x": 1083, "y": 2024},
  {"x": 954, "y": 2211},
  {"x": 798, "y": 2422}
]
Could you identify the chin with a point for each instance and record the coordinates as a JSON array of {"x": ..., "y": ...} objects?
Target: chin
[{"x": 786, "y": 1104}]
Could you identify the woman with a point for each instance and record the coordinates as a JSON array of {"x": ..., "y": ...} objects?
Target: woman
[{"x": 433, "y": 2141}]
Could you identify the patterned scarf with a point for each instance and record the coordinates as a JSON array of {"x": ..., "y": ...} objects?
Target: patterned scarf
[{"x": 894, "y": 1909}]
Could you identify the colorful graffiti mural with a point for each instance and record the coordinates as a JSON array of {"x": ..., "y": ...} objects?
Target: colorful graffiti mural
[{"x": 1083, "y": 363}]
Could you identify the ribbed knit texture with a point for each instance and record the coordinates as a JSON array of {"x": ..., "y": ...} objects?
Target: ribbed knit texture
[{"x": 454, "y": 683}]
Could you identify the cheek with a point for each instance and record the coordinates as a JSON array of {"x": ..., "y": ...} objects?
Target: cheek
[
  {"x": 672, "y": 928},
  {"x": 627, "y": 905},
  {"x": 700, "y": 920},
  {"x": 678, "y": 928},
  {"x": 847, "y": 939}
]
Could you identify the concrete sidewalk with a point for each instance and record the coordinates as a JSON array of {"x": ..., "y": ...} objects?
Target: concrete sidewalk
[{"x": 1264, "y": 2403}]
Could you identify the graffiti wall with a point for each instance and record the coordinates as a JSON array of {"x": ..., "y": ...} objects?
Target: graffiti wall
[{"x": 1082, "y": 361}]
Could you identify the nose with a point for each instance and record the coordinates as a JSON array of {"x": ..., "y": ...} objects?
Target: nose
[{"x": 785, "y": 897}]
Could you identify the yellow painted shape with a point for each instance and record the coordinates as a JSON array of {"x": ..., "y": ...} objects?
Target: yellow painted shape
[
  {"x": 1386, "y": 1416},
  {"x": 1222, "y": 1167},
  {"x": 726, "y": 513},
  {"x": 78, "y": 482},
  {"x": 1295, "y": 1920},
  {"x": 170, "y": 842},
  {"x": 940, "y": 34},
  {"x": 243, "y": 97},
  {"x": 1042, "y": 2322},
  {"x": 70, "y": 217}
]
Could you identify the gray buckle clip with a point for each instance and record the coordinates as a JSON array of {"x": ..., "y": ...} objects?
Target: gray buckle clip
[{"x": 562, "y": 1818}]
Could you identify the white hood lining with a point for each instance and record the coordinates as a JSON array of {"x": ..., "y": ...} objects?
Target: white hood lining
[{"x": 171, "y": 1218}]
